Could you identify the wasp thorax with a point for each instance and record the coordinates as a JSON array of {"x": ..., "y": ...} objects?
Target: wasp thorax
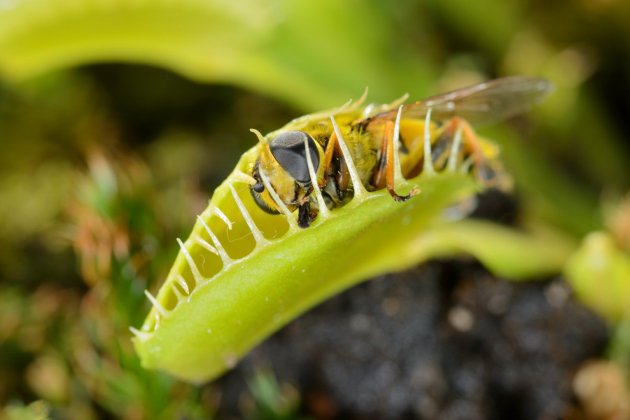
[{"x": 283, "y": 161}]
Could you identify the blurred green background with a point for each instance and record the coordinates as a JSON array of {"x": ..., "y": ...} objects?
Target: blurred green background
[{"x": 117, "y": 120}]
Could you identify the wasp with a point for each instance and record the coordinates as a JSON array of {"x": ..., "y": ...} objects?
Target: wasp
[{"x": 428, "y": 135}]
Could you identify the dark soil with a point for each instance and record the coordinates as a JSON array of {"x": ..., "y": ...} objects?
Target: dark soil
[{"x": 444, "y": 341}]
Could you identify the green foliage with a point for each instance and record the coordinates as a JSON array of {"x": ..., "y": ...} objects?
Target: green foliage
[
  {"x": 34, "y": 411},
  {"x": 505, "y": 251},
  {"x": 600, "y": 275},
  {"x": 283, "y": 48},
  {"x": 271, "y": 401}
]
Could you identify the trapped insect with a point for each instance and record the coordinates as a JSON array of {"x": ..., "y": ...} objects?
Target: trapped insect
[{"x": 308, "y": 153}]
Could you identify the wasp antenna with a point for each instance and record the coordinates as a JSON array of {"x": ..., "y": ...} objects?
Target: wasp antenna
[
  {"x": 398, "y": 177},
  {"x": 242, "y": 177},
  {"x": 457, "y": 141},
  {"x": 223, "y": 217},
  {"x": 258, "y": 236},
  {"x": 359, "y": 190},
  {"x": 199, "y": 279},
  {"x": 225, "y": 258},
  {"x": 261, "y": 138},
  {"x": 428, "y": 168},
  {"x": 140, "y": 335},
  {"x": 158, "y": 307},
  {"x": 206, "y": 245},
  {"x": 323, "y": 210},
  {"x": 276, "y": 198},
  {"x": 180, "y": 280}
]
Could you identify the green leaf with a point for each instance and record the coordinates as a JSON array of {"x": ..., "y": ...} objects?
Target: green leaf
[
  {"x": 307, "y": 52},
  {"x": 600, "y": 275},
  {"x": 505, "y": 251}
]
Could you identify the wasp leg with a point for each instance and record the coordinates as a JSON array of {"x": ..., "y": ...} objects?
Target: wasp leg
[
  {"x": 470, "y": 138},
  {"x": 390, "y": 167},
  {"x": 378, "y": 179},
  {"x": 485, "y": 173},
  {"x": 328, "y": 156},
  {"x": 342, "y": 177},
  {"x": 304, "y": 215}
]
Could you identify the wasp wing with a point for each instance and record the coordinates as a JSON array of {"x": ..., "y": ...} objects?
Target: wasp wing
[{"x": 480, "y": 104}]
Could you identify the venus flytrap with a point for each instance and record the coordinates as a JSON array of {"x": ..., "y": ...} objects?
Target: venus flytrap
[
  {"x": 243, "y": 274},
  {"x": 265, "y": 279}
]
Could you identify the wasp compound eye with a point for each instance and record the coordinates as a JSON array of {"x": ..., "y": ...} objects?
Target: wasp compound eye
[
  {"x": 262, "y": 204},
  {"x": 288, "y": 149},
  {"x": 259, "y": 187}
]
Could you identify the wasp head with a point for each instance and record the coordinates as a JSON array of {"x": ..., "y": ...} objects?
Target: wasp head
[{"x": 284, "y": 163}]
